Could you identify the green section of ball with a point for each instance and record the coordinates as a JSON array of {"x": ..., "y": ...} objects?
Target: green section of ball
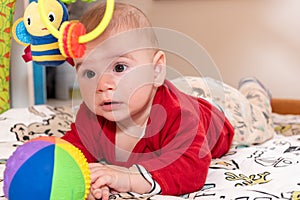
[{"x": 68, "y": 180}]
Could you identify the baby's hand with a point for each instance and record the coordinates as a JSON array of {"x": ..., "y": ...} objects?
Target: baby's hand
[
  {"x": 99, "y": 193},
  {"x": 105, "y": 177}
]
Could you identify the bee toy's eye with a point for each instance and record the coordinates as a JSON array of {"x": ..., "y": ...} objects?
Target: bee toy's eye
[
  {"x": 29, "y": 21},
  {"x": 51, "y": 16}
]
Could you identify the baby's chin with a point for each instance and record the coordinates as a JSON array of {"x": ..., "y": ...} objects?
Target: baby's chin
[
  {"x": 93, "y": 109},
  {"x": 116, "y": 115},
  {"x": 111, "y": 116}
]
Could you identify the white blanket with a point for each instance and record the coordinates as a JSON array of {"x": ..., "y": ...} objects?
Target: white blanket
[{"x": 267, "y": 171}]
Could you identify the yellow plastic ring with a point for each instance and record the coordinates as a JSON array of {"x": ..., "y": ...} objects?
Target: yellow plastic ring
[{"x": 83, "y": 38}]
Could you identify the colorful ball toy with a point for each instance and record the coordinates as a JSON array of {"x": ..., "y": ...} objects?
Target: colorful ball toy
[{"x": 47, "y": 168}]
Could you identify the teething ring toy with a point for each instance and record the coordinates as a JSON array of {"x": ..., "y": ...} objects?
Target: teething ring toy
[
  {"x": 72, "y": 34},
  {"x": 68, "y": 39}
]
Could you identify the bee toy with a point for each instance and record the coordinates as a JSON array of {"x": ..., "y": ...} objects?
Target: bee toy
[
  {"x": 49, "y": 37},
  {"x": 41, "y": 46}
]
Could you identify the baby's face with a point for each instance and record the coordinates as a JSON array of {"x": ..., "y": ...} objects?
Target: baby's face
[{"x": 117, "y": 82}]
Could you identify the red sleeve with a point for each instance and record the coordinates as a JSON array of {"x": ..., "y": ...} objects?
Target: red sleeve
[
  {"x": 83, "y": 133},
  {"x": 187, "y": 145},
  {"x": 183, "y": 160},
  {"x": 219, "y": 131},
  {"x": 73, "y": 137}
]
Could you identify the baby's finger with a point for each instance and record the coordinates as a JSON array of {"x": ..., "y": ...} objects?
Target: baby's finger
[
  {"x": 101, "y": 193},
  {"x": 105, "y": 193},
  {"x": 97, "y": 193},
  {"x": 91, "y": 196},
  {"x": 102, "y": 181},
  {"x": 97, "y": 174}
]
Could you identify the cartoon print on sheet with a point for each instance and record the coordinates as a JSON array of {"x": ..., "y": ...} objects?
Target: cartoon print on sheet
[{"x": 56, "y": 125}]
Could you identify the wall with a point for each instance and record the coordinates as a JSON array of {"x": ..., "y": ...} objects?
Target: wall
[
  {"x": 21, "y": 73},
  {"x": 244, "y": 38}
]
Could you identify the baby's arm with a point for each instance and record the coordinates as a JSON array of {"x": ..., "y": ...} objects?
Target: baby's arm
[{"x": 118, "y": 179}]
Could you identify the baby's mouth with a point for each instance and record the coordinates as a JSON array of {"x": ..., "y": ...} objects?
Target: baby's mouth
[
  {"x": 110, "y": 103},
  {"x": 109, "y": 106}
]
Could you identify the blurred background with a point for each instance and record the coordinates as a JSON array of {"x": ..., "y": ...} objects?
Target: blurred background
[{"x": 258, "y": 38}]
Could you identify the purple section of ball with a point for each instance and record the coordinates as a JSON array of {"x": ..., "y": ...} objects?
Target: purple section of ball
[{"x": 17, "y": 159}]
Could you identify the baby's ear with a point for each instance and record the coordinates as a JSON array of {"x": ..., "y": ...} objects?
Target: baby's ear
[{"x": 159, "y": 64}]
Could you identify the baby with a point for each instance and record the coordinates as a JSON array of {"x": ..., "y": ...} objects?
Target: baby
[{"x": 137, "y": 130}]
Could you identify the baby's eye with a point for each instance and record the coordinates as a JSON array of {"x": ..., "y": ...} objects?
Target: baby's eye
[
  {"x": 120, "y": 68},
  {"x": 90, "y": 74}
]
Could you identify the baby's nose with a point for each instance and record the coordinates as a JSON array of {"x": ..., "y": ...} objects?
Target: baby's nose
[{"x": 106, "y": 82}]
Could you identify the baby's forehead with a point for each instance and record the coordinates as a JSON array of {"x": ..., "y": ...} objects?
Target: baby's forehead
[{"x": 123, "y": 42}]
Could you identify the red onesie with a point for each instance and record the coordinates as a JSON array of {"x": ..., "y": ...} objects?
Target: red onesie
[{"x": 183, "y": 133}]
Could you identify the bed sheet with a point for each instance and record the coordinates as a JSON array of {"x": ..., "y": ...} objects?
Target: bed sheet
[{"x": 267, "y": 171}]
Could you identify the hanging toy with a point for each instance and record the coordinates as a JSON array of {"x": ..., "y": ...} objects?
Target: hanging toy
[
  {"x": 72, "y": 35},
  {"x": 50, "y": 38},
  {"x": 41, "y": 46}
]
